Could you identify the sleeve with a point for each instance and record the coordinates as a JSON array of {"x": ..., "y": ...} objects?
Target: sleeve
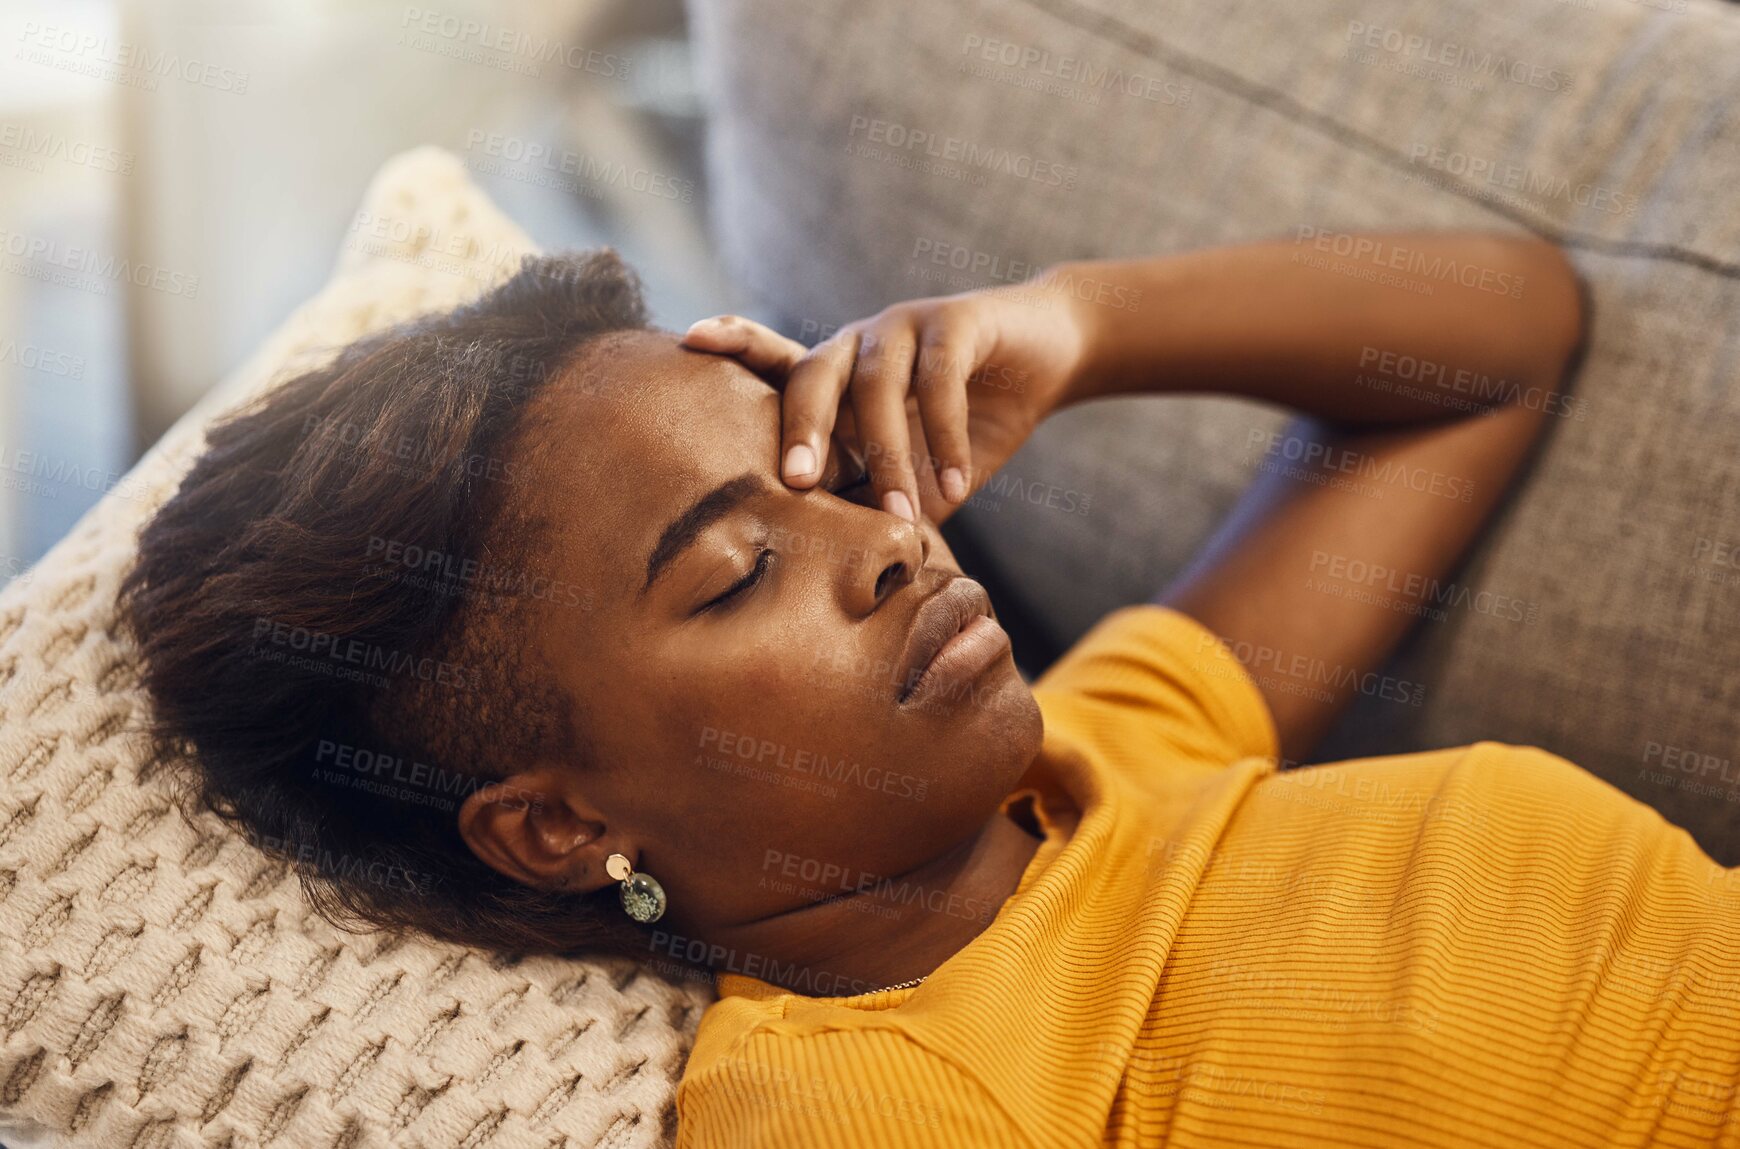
[
  {"x": 1149, "y": 680},
  {"x": 837, "y": 1089}
]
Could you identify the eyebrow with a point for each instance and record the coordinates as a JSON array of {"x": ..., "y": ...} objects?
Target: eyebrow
[{"x": 688, "y": 526}]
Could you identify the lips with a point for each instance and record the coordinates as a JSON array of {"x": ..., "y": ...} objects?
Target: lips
[{"x": 940, "y": 617}]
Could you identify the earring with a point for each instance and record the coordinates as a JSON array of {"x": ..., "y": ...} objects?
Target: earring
[{"x": 642, "y": 896}]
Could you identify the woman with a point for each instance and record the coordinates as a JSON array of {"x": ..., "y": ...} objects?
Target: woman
[{"x": 530, "y": 626}]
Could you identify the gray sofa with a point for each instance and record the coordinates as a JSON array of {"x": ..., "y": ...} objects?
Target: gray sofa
[{"x": 864, "y": 153}]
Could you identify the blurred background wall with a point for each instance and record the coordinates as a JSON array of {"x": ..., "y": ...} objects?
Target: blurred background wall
[{"x": 177, "y": 175}]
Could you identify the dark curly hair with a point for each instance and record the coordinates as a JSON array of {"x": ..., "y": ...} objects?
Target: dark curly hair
[{"x": 331, "y": 612}]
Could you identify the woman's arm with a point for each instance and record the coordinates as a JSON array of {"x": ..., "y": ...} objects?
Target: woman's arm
[
  {"x": 1291, "y": 322},
  {"x": 1427, "y": 365},
  {"x": 1420, "y": 410}
]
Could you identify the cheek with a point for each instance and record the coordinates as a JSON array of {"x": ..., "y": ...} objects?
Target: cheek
[
  {"x": 717, "y": 696},
  {"x": 778, "y": 694},
  {"x": 785, "y": 744},
  {"x": 797, "y": 659}
]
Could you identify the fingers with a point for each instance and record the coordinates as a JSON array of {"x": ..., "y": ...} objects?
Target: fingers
[
  {"x": 759, "y": 348},
  {"x": 810, "y": 405},
  {"x": 939, "y": 378},
  {"x": 930, "y": 499},
  {"x": 881, "y": 379},
  {"x": 854, "y": 388}
]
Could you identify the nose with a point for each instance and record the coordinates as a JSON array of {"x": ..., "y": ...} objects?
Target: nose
[{"x": 894, "y": 552}]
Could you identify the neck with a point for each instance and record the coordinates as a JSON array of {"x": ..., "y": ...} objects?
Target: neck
[{"x": 901, "y": 928}]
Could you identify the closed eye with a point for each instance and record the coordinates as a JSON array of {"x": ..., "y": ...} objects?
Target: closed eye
[
  {"x": 855, "y": 489},
  {"x": 763, "y": 560}
]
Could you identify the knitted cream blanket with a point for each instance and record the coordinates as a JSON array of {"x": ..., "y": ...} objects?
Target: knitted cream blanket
[{"x": 162, "y": 983}]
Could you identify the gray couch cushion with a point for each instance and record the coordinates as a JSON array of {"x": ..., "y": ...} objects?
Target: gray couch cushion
[{"x": 1061, "y": 129}]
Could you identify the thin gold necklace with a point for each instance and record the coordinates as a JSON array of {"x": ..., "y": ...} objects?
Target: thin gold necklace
[{"x": 901, "y": 985}]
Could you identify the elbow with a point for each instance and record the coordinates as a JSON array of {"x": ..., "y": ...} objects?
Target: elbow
[
  {"x": 1582, "y": 308},
  {"x": 1557, "y": 315}
]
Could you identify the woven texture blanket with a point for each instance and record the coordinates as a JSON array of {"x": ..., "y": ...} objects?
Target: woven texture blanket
[{"x": 162, "y": 983}]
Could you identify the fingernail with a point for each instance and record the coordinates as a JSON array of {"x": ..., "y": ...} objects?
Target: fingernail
[
  {"x": 703, "y": 326},
  {"x": 896, "y": 503},
  {"x": 800, "y": 461},
  {"x": 954, "y": 484}
]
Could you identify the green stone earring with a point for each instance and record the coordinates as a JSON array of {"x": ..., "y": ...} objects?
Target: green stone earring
[{"x": 642, "y": 896}]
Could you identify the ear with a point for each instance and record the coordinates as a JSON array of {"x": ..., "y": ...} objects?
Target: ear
[{"x": 537, "y": 829}]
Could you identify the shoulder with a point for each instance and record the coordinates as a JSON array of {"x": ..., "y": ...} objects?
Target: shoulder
[{"x": 1152, "y": 682}]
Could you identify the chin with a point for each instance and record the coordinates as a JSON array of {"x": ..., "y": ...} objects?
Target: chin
[
  {"x": 1026, "y": 725},
  {"x": 1001, "y": 712},
  {"x": 1000, "y": 694}
]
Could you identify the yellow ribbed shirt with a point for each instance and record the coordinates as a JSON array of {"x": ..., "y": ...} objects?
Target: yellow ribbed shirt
[{"x": 1477, "y": 946}]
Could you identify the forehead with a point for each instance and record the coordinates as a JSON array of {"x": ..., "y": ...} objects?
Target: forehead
[{"x": 631, "y": 434}]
